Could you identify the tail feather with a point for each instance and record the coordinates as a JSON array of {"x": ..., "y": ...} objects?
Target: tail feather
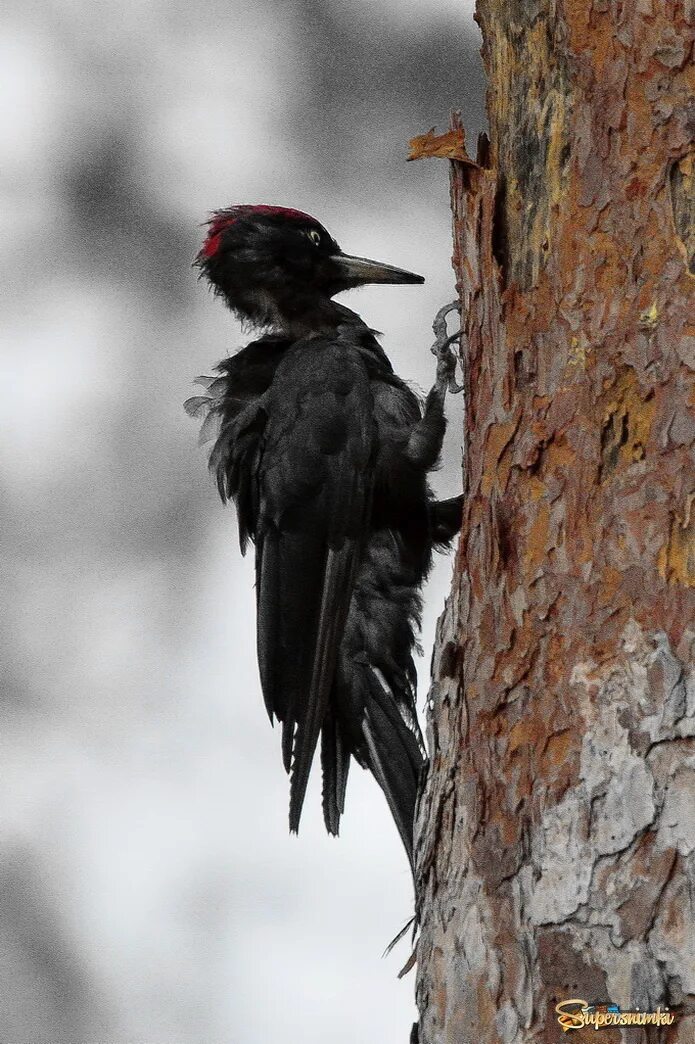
[
  {"x": 395, "y": 760},
  {"x": 310, "y": 718},
  {"x": 335, "y": 762},
  {"x": 287, "y": 743}
]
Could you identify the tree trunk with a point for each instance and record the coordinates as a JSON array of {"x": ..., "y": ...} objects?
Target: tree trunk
[{"x": 556, "y": 834}]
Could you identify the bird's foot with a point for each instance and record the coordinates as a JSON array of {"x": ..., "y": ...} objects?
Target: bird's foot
[{"x": 446, "y": 357}]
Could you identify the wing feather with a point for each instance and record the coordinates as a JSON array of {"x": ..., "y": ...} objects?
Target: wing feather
[
  {"x": 335, "y": 598},
  {"x": 315, "y": 482}
]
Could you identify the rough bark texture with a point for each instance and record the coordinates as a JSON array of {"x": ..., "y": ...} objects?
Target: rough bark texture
[{"x": 556, "y": 853}]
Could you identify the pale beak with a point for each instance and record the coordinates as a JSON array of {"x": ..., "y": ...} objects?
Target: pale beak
[{"x": 358, "y": 270}]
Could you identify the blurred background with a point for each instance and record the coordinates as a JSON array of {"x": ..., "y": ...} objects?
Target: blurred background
[{"x": 149, "y": 890}]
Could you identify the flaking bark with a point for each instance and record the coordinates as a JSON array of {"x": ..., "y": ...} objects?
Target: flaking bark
[{"x": 556, "y": 834}]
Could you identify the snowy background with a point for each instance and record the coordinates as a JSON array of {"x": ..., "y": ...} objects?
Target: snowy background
[{"x": 149, "y": 890}]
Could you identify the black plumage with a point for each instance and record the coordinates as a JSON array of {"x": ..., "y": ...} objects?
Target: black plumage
[{"x": 325, "y": 452}]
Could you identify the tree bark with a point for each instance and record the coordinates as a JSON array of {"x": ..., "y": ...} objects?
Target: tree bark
[{"x": 556, "y": 833}]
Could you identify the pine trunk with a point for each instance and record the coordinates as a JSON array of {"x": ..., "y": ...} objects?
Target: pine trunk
[{"x": 556, "y": 834}]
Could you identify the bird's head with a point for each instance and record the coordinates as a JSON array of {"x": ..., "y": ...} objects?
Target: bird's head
[{"x": 280, "y": 268}]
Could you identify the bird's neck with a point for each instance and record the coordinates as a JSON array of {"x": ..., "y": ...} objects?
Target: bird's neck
[{"x": 322, "y": 317}]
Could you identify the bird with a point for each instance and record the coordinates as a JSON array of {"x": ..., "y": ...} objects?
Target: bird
[{"x": 325, "y": 453}]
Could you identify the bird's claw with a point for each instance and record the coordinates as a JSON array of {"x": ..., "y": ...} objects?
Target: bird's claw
[
  {"x": 439, "y": 324},
  {"x": 446, "y": 358}
]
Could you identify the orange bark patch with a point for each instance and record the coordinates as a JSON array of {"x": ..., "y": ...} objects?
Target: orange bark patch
[
  {"x": 496, "y": 471},
  {"x": 677, "y": 556},
  {"x": 451, "y": 146},
  {"x": 626, "y": 426},
  {"x": 537, "y": 539},
  {"x": 557, "y": 751}
]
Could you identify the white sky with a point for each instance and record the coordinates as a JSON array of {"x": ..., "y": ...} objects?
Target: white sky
[{"x": 152, "y": 894}]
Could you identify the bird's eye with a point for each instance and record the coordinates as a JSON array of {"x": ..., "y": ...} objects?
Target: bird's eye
[{"x": 314, "y": 236}]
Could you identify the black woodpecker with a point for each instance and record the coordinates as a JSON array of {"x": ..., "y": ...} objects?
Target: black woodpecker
[{"x": 325, "y": 453}]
